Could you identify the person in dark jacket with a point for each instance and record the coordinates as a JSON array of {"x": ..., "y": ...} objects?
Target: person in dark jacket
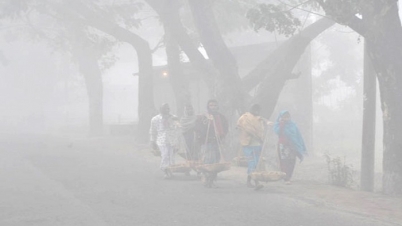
[
  {"x": 211, "y": 128},
  {"x": 187, "y": 125}
]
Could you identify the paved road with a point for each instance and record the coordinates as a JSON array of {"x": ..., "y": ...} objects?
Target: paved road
[{"x": 103, "y": 181}]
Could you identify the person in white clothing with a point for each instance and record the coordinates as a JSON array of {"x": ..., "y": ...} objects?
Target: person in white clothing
[{"x": 163, "y": 136}]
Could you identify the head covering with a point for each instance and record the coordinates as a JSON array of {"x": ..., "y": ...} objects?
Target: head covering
[
  {"x": 212, "y": 101},
  {"x": 163, "y": 108},
  {"x": 255, "y": 109},
  {"x": 291, "y": 132},
  {"x": 188, "y": 107},
  {"x": 219, "y": 122},
  {"x": 187, "y": 122}
]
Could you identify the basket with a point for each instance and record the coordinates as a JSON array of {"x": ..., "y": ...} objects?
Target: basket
[
  {"x": 216, "y": 167},
  {"x": 241, "y": 161},
  {"x": 267, "y": 176},
  {"x": 194, "y": 164},
  {"x": 180, "y": 168},
  {"x": 156, "y": 152},
  {"x": 183, "y": 155}
]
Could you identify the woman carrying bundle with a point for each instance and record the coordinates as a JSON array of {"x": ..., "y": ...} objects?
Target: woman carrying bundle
[
  {"x": 187, "y": 124},
  {"x": 211, "y": 129},
  {"x": 252, "y": 131},
  {"x": 290, "y": 144}
]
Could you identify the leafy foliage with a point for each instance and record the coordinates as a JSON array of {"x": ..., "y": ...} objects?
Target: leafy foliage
[
  {"x": 342, "y": 10},
  {"x": 340, "y": 174},
  {"x": 230, "y": 15},
  {"x": 273, "y": 18},
  {"x": 122, "y": 12}
]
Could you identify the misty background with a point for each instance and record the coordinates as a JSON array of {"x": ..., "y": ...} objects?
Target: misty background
[{"x": 43, "y": 92}]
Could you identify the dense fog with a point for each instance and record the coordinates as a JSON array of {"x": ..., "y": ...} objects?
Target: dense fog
[
  {"x": 80, "y": 82},
  {"x": 43, "y": 91}
]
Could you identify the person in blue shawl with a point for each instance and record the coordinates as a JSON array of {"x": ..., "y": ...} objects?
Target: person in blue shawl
[{"x": 290, "y": 144}]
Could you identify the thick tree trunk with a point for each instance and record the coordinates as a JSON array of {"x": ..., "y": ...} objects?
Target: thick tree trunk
[
  {"x": 89, "y": 68},
  {"x": 303, "y": 100},
  {"x": 230, "y": 92},
  {"x": 368, "y": 130},
  {"x": 146, "y": 105},
  {"x": 369, "y": 115},
  {"x": 277, "y": 68},
  {"x": 179, "y": 82},
  {"x": 283, "y": 59},
  {"x": 384, "y": 36},
  {"x": 386, "y": 53},
  {"x": 170, "y": 16},
  {"x": 391, "y": 96}
]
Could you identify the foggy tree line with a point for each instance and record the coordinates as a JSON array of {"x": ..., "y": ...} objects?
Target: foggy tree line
[{"x": 88, "y": 29}]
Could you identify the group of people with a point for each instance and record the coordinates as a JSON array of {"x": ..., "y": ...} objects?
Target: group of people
[{"x": 202, "y": 136}]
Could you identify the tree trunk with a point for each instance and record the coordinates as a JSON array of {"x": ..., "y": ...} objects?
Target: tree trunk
[
  {"x": 146, "y": 106},
  {"x": 391, "y": 96},
  {"x": 368, "y": 130},
  {"x": 283, "y": 59},
  {"x": 88, "y": 65},
  {"x": 369, "y": 115},
  {"x": 146, "y": 109},
  {"x": 385, "y": 54},
  {"x": 384, "y": 36},
  {"x": 230, "y": 92},
  {"x": 179, "y": 82},
  {"x": 303, "y": 100},
  {"x": 277, "y": 68},
  {"x": 170, "y": 16}
]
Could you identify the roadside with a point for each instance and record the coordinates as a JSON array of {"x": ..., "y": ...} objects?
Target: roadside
[
  {"x": 310, "y": 185},
  {"x": 321, "y": 194}
]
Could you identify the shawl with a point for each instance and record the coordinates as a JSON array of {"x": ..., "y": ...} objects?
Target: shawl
[
  {"x": 251, "y": 126},
  {"x": 187, "y": 123},
  {"x": 291, "y": 132}
]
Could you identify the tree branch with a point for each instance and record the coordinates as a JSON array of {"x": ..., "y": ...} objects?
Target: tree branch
[{"x": 290, "y": 51}]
